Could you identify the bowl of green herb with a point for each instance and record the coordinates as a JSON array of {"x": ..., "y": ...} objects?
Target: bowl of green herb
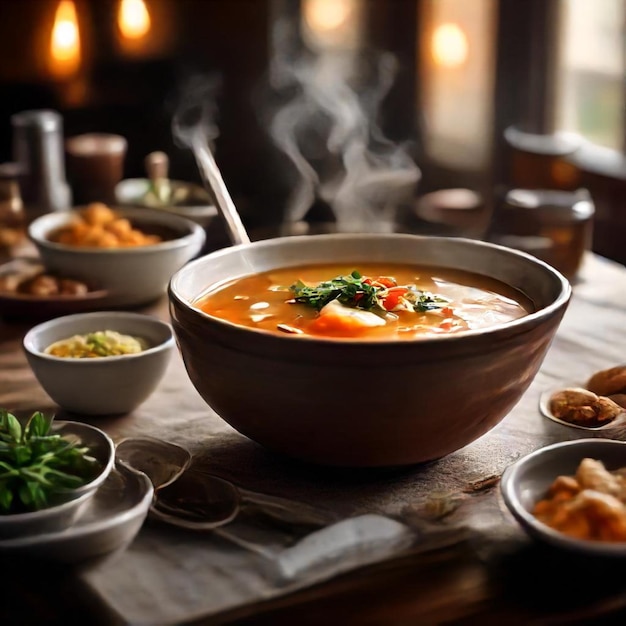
[{"x": 48, "y": 471}]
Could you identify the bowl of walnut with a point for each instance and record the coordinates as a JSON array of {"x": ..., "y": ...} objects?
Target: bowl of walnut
[{"x": 599, "y": 403}]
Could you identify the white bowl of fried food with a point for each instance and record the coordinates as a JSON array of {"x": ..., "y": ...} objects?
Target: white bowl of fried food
[
  {"x": 572, "y": 495},
  {"x": 130, "y": 253},
  {"x": 100, "y": 363}
]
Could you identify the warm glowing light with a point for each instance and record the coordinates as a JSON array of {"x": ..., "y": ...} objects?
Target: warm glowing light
[
  {"x": 449, "y": 45},
  {"x": 133, "y": 19},
  {"x": 326, "y": 15},
  {"x": 65, "y": 40}
]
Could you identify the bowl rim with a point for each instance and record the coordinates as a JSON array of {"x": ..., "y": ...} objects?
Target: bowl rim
[
  {"x": 95, "y": 294},
  {"x": 85, "y": 491},
  {"x": 42, "y": 226},
  {"x": 519, "y": 324},
  {"x": 509, "y": 492},
  {"x": 28, "y": 342}
]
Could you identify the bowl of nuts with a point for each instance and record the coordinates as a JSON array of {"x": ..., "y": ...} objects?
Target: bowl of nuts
[
  {"x": 28, "y": 291},
  {"x": 599, "y": 403},
  {"x": 130, "y": 252}
]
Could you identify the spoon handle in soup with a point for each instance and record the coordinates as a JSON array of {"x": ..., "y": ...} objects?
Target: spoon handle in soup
[{"x": 212, "y": 178}]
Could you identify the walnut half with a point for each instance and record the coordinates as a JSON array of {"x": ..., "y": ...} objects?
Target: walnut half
[
  {"x": 583, "y": 407},
  {"x": 608, "y": 382}
]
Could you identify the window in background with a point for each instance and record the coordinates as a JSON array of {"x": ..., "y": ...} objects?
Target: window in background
[
  {"x": 591, "y": 89},
  {"x": 457, "y": 62}
]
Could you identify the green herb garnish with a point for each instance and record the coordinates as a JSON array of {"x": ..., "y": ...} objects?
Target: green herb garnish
[
  {"x": 425, "y": 301},
  {"x": 360, "y": 292},
  {"x": 36, "y": 464},
  {"x": 350, "y": 290}
]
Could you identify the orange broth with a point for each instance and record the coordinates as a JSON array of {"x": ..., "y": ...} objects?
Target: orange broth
[{"x": 264, "y": 301}]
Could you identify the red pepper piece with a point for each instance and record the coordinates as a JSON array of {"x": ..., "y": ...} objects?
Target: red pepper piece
[
  {"x": 392, "y": 297},
  {"x": 386, "y": 281}
]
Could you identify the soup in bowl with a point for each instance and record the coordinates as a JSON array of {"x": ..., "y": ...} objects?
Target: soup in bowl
[
  {"x": 404, "y": 302},
  {"x": 365, "y": 350}
]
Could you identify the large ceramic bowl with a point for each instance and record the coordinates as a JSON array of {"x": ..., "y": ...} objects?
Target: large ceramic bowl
[
  {"x": 131, "y": 275},
  {"x": 68, "y": 504},
  {"x": 104, "y": 385},
  {"x": 365, "y": 403}
]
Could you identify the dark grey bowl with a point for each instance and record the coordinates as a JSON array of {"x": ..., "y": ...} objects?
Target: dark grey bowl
[
  {"x": 528, "y": 479},
  {"x": 286, "y": 393}
]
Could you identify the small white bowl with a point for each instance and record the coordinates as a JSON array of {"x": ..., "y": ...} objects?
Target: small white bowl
[
  {"x": 132, "y": 275},
  {"x": 71, "y": 502},
  {"x": 102, "y": 385},
  {"x": 132, "y": 192},
  {"x": 526, "y": 481}
]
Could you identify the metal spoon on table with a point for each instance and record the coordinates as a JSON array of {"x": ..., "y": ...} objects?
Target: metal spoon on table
[
  {"x": 194, "y": 499},
  {"x": 180, "y": 498}
]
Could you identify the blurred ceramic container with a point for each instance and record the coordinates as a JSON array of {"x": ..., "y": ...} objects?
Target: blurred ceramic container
[
  {"x": 95, "y": 164},
  {"x": 184, "y": 199}
]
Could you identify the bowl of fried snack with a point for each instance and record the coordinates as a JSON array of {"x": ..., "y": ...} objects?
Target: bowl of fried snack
[
  {"x": 131, "y": 253},
  {"x": 572, "y": 495}
]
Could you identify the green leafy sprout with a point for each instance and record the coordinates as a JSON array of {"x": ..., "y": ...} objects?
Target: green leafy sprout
[
  {"x": 350, "y": 290},
  {"x": 356, "y": 291},
  {"x": 37, "y": 465}
]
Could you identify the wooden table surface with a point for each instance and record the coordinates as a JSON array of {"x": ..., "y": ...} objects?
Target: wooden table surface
[{"x": 492, "y": 575}]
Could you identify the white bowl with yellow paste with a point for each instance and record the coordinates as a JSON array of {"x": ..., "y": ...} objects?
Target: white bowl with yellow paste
[{"x": 101, "y": 363}]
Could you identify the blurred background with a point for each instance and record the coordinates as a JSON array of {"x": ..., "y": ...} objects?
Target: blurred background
[{"x": 437, "y": 116}]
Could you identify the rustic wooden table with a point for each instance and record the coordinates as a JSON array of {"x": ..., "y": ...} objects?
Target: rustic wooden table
[{"x": 487, "y": 571}]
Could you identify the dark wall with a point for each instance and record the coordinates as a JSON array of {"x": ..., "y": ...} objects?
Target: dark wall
[
  {"x": 223, "y": 44},
  {"x": 218, "y": 43}
]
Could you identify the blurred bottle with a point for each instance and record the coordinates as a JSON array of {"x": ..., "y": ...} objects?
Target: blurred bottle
[
  {"x": 38, "y": 150},
  {"x": 12, "y": 216},
  {"x": 553, "y": 225}
]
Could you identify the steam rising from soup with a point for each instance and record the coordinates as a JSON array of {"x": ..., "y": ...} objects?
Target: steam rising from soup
[{"x": 372, "y": 301}]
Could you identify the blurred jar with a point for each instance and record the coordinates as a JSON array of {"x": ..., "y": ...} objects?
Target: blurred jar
[
  {"x": 12, "y": 215},
  {"x": 454, "y": 212},
  {"x": 555, "y": 226},
  {"x": 541, "y": 161}
]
